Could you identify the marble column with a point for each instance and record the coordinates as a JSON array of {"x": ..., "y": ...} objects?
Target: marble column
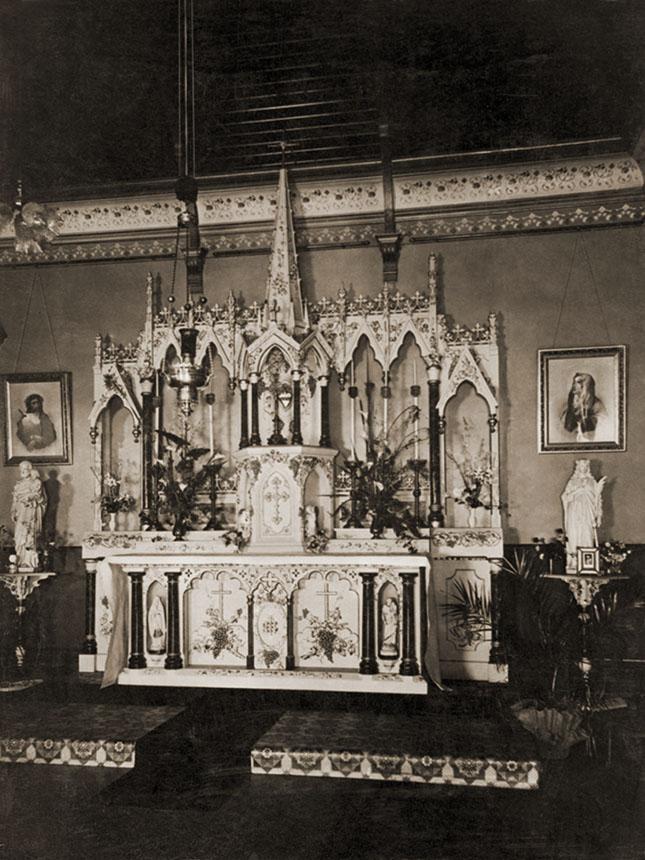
[
  {"x": 290, "y": 662},
  {"x": 255, "y": 411},
  {"x": 137, "y": 659},
  {"x": 325, "y": 435},
  {"x": 368, "y": 664},
  {"x": 244, "y": 413},
  {"x": 497, "y": 652},
  {"x": 296, "y": 435},
  {"x": 148, "y": 499},
  {"x": 409, "y": 665},
  {"x": 173, "y": 648},
  {"x": 436, "y": 510},
  {"x": 89, "y": 643},
  {"x": 250, "y": 638}
]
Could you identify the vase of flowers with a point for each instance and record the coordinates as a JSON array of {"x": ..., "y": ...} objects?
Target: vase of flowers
[
  {"x": 113, "y": 501},
  {"x": 476, "y": 475}
]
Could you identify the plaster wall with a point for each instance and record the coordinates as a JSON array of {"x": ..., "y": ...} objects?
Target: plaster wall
[{"x": 589, "y": 280}]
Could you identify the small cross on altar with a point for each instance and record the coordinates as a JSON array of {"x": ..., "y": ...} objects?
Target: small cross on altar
[{"x": 219, "y": 593}]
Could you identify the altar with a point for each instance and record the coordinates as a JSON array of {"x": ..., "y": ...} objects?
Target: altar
[
  {"x": 286, "y": 492},
  {"x": 303, "y": 621}
]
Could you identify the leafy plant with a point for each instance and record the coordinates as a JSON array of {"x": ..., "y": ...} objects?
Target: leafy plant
[
  {"x": 178, "y": 483},
  {"x": 469, "y": 611},
  {"x": 381, "y": 478}
]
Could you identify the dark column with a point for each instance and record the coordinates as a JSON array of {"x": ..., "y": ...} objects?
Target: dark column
[
  {"x": 148, "y": 499},
  {"x": 296, "y": 435},
  {"x": 497, "y": 653},
  {"x": 250, "y": 648},
  {"x": 390, "y": 241},
  {"x": 173, "y": 648},
  {"x": 423, "y": 615},
  {"x": 244, "y": 413},
  {"x": 89, "y": 644},
  {"x": 436, "y": 512},
  {"x": 325, "y": 436},
  {"x": 368, "y": 664},
  {"x": 137, "y": 658},
  {"x": 409, "y": 665},
  {"x": 255, "y": 413},
  {"x": 290, "y": 662}
]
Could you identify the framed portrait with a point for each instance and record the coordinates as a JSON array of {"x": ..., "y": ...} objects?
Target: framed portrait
[
  {"x": 37, "y": 417},
  {"x": 581, "y": 399},
  {"x": 588, "y": 560}
]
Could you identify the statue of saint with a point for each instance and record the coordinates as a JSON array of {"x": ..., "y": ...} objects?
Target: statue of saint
[
  {"x": 311, "y": 521},
  {"x": 390, "y": 628},
  {"x": 27, "y": 511},
  {"x": 582, "y": 505},
  {"x": 157, "y": 626}
]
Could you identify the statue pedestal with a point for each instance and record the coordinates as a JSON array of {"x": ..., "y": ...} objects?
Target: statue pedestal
[{"x": 21, "y": 584}]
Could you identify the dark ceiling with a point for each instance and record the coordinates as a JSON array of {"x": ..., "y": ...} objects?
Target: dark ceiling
[{"x": 90, "y": 87}]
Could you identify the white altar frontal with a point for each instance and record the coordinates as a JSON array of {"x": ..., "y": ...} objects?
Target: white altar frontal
[
  {"x": 298, "y": 621},
  {"x": 295, "y": 495}
]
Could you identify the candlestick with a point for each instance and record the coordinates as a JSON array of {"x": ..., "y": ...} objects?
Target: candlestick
[
  {"x": 353, "y": 393},
  {"x": 210, "y": 399},
  {"x": 385, "y": 392},
  {"x": 415, "y": 391}
]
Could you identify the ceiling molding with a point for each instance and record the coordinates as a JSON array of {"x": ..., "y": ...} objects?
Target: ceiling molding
[{"x": 586, "y": 192}]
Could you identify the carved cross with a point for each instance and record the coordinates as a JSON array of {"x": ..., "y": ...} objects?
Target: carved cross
[
  {"x": 219, "y": 593},
  {"x": 326, "y": 593},
  {"x": 276, "y": 495}
]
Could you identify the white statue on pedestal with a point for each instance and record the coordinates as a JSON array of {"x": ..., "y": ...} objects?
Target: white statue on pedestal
[
  {"x": 157, "y": 626},
  {"x": 27, "y": 511},
  {"x": 582, "y": 505},
  {"x": 390, "y": 629}
]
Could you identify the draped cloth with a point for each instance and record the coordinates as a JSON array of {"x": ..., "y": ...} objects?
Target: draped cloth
[{"x": 117, "y": 656}]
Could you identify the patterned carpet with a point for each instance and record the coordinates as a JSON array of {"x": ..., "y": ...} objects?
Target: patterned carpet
[{"x": 438, "y": 750}]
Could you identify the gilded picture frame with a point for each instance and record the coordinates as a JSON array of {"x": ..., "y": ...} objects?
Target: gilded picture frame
[
  {"x": 581, "y": 399},
  {"x": 37, "y": 417}
]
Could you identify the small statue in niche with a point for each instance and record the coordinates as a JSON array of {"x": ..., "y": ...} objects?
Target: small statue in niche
[
  {"x": 582, "y": 505},
  {"x": 27, "y": 512},
  {"x": 390, "y": 628},
  {"x": 311, "y": 521},
  {"x": 157, "y": 626},
  {"x": 244, "y": 525}
]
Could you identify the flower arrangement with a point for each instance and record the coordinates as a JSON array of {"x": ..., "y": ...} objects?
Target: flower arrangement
[
  {"x": 381, "y": 477},
  {"x": 474, "y": 470},
  {"x": 317, "y": 542},
  {"x": 612, "y": 556},
  {"x": 329, "y": 636},
  {"x": 221, "y": 634},
  {"x": 112, "y": 499}
]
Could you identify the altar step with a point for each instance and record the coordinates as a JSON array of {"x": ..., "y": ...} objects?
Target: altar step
[
  {"x": 270, "y": 679},
  {"x": 433, "y": 749},
  {"x": 87, "y": 735}
]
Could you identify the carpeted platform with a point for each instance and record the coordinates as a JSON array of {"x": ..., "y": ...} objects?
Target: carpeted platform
[
  {"x": 82, "y": 734},
  {"x": 433, "y": 749}
]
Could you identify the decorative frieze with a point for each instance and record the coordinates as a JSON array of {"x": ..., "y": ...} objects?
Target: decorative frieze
[{"x": 234, "y": 221}]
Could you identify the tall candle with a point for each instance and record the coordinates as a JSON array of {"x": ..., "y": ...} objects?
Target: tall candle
[
  {"x": 386, "y": 377},
  {"x": 353, "y": 412},
  {"x": 416, "y": 412},
  {"x": 211, "y": 438}
]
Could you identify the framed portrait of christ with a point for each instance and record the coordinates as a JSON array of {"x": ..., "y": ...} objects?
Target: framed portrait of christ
[
  {"x": 36, "y": 417},
  {"x": 581, "y": 399}
]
